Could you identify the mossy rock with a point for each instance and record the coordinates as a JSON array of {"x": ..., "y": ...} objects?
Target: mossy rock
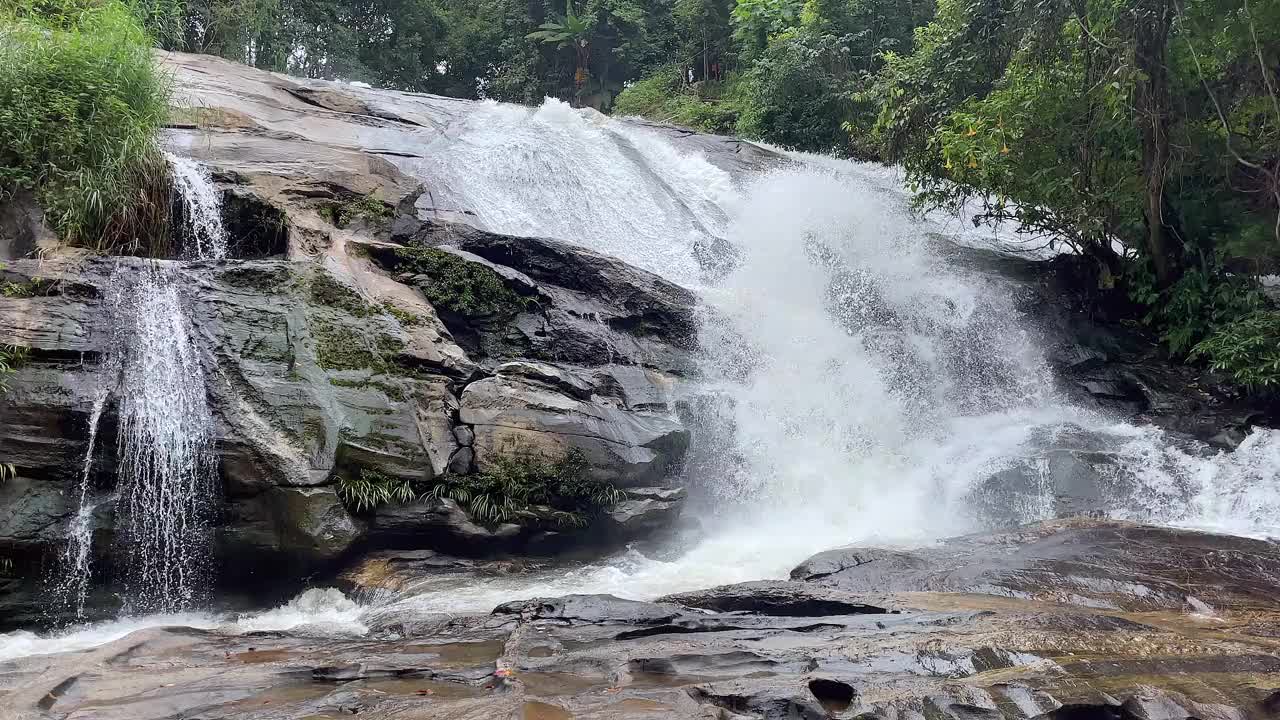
[{"x": 459, "y": 286}]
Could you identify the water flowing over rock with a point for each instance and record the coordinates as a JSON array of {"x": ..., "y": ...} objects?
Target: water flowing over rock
[
  {"x": 766, "y": 354},
  {"x": 166, "y": 445}
]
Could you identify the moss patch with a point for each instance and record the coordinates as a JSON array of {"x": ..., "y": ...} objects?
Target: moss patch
[
  {"x": 405, "y": 317},
  {"x": 342, "y": 348},
  {"x": 391, "y": 391},
  {"x": 327, "y": 291},
  {"x": 466, "y": 288},
  {"x": 369, "y": 207}
]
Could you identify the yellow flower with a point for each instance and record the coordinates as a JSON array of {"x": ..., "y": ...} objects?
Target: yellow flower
[
  {"x": 1004, "y": 150},
  {"x": 972, "y": 132},
  {"x": 973, "y": 163}
]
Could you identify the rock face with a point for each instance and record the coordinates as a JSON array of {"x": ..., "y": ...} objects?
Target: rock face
[
  {"x": 337, "y": 343},
  {"x": 776, "y": 650},
  {"x": 1102, "y": 564}
]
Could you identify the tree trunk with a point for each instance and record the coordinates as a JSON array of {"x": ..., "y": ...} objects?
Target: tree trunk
[
  {"x": 1153, "y": 19},
  {"x": 706, "y": 61}
]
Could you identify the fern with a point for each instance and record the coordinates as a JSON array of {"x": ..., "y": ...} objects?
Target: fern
[{"x": 514, "y": 489}]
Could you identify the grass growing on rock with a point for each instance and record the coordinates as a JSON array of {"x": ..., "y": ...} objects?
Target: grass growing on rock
[
  {"x": 518, "y": 488},
  {"x": 460, "y": 286},
  {"x": 370, "y": 488},
  {"x": 81, "y": 105}
]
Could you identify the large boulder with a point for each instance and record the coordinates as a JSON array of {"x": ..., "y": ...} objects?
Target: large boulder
[
  {"x": 564, "y": 303},
  {"x": 537, "y": 411},
  {"x": 1092, "y": 563}
]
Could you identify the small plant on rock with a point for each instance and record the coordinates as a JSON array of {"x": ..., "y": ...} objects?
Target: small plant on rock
[
  {"x": 514, "y": 487},
  {"x": 370, "y": 489}
]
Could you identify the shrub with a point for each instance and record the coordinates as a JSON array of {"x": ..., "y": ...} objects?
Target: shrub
[
  {"x": 81, "y": 103},
  {"x": 1247, "y": 349},
  {"x": 514, "y": 486},
  {"x": 663, "y": 97}
]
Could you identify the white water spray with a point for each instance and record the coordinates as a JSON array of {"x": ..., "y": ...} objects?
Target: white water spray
[
  {"x": 76, "y": 561},
  {"x": 167, "y": 470},
  {"x": 870, "y": 387},
  {"x": 203, "y": 207},
  {"x": 165, "y": 438}
]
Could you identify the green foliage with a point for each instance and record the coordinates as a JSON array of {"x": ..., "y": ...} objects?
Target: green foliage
[
  {"x": 664, "y": 97},
  {"x": 799, "y": 93},
  {"x": 1203, "y": 300},
  {"x": 81, "y": 103},
  {"x": 369, "y": 207},
  {"x": 35, "y": 288},
  {"x": 1247, "y": 348},
  {"x": 460, "y": 286},
  {"x": 1057, "y": 116},
  {"x": 515, "y": 488},
  {"x": 12, "y": 357},
  {"x": 568, "y": 30},
  {"x": 369, "y": 489}
]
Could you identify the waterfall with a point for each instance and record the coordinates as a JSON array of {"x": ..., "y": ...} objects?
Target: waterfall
[
  {"x": 165, "y": 439},
  {"x": 870, "y": 385},
  {"x": 75, "y": 561},
  {"x": 202, "y": 206},
  {"x": 167, "y": 468}
]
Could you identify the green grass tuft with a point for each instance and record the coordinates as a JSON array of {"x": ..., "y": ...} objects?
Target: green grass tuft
[
  {"x": 81, "y": 103},
  {"x": 369, "y": 489}
]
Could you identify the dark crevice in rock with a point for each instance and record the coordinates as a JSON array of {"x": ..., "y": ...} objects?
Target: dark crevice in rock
[
  {"x": 1096, "y": 712},
  {"x": 345, "y": 104},
  {"x": 255, "y": 229},
  {"x": 834, "y": 695}
]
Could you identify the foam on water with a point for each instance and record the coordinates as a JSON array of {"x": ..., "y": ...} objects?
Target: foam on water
[{"x": 321, "y": 612}]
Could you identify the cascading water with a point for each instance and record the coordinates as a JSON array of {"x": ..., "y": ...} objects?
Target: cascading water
[
  {"x": 557, "y": 172},
  {"x": 202, "y": 206},
  {"x": 165, "y": 438},
  {"x": 75, "y": 563},
  {"x": 869, "y": 385},
  {"x": 858, "y": 385}
]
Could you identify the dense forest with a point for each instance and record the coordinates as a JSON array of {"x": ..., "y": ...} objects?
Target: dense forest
[{"x": 1145, "y": 134}]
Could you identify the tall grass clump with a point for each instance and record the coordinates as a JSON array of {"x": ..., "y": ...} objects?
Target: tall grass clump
[{"x": 81, "y": 104}]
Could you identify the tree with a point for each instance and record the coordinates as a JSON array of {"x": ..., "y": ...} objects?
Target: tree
[
  {"x": 705, "y": 32},
  {"x": 574, "y": 31}
]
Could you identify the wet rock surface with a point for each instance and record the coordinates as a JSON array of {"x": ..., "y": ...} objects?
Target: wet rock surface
[{"x": 765, "y": 650}]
